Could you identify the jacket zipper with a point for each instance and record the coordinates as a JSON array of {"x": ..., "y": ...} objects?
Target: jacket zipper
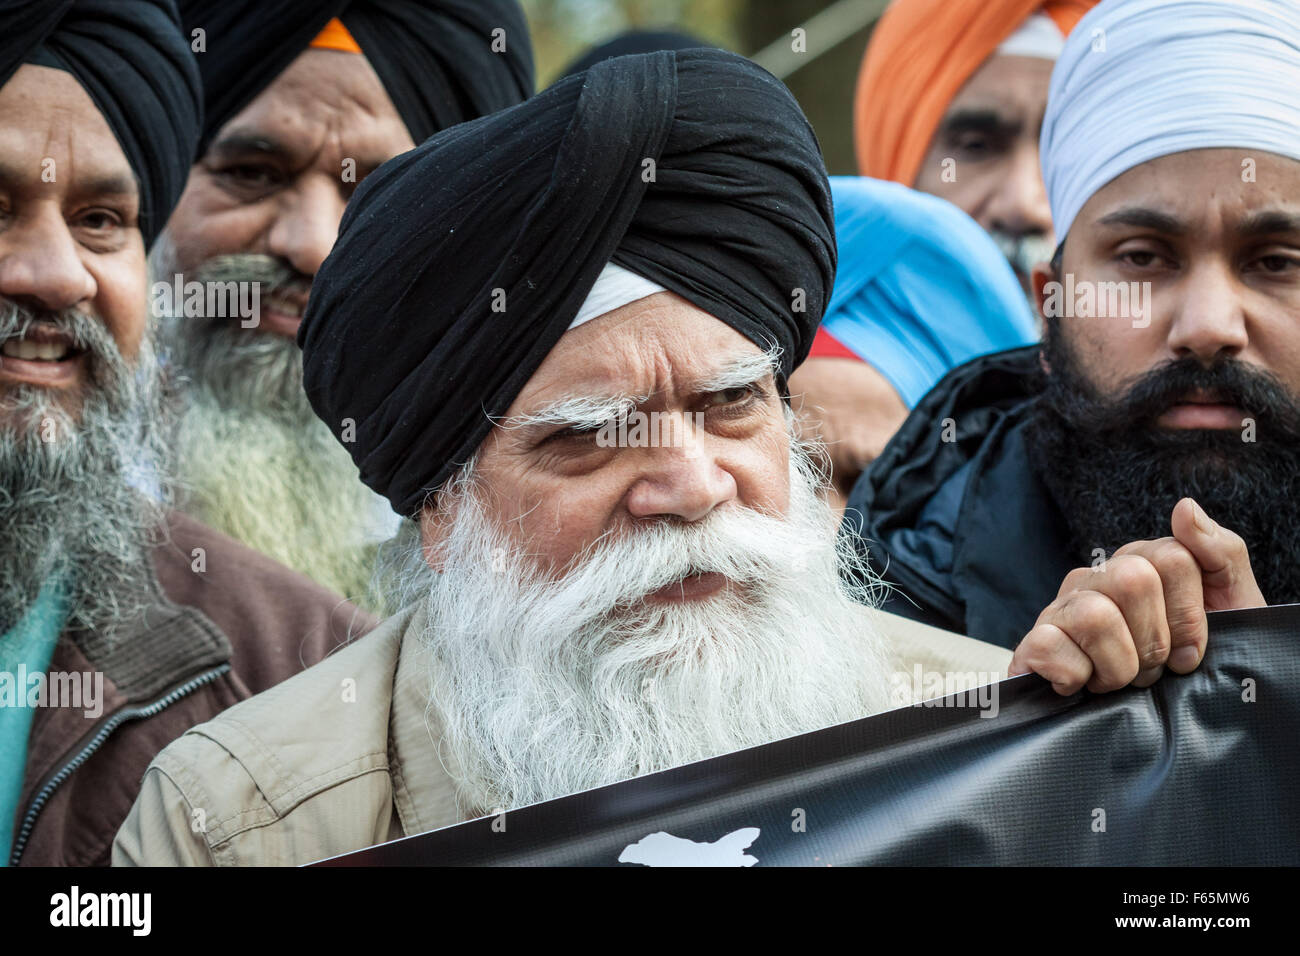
[{"x": 123, "y": 715}]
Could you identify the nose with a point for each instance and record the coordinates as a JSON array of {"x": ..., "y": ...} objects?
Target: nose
[
  {"x": 40, "y": 263},
  {"x": 684, "y": 480},
  {"x": 1209, "y": 321},
  {"x": 1019, "y": 206},
  {"x": 307, "y": 224}
]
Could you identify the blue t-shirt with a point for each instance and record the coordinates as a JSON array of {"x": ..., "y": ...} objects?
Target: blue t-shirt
[{"x": 25, "y": 650}]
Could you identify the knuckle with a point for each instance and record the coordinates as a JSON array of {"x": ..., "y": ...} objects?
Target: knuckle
[
  {"x": 1091, "y": 613},
  {"x": 1075, "y": 580},
  {"x": 1093, "y": 610},
  {"x": 1133, "y": 578},
  {"x": 1134, "y": 547},
  {"x": 1175, "y": 561},
  {"x": 1238, "y": 553},
  {"x": 1040, "y": 651}
]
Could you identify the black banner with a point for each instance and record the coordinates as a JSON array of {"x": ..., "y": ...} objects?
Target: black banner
[{"x": 1202, "y": 769}]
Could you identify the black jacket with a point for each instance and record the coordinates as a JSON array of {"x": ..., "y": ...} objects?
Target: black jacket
[{"x": 952, "y": 514}]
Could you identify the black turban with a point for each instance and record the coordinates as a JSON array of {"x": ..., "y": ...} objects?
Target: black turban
[
  {"x": 400, "y": 334},
  {"x": 435, "y": 58},
  {"x": 132, "y": 60}
]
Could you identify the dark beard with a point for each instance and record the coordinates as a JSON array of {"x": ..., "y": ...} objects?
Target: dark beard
[{"x": 1116, "y": 476}]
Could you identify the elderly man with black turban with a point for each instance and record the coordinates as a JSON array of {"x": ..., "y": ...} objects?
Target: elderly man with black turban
[
  {"x": 121, "y": 623},
  {"x": 559, "y": 337},
  {"x": 302, "y": 99}
]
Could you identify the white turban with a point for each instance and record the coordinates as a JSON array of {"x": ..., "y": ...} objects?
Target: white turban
[{"x": 1141, "y": 79}]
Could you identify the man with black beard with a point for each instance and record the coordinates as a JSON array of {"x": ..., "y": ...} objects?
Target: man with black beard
[
  {"x": 949, "y": 101},
  {"x": 1115, "y": 469},
  {"x": 622, "y": 562},
  {"x": 1170, "y": 367},
  {"x": 303, "y": 99},
  {"x": 122, "y": 623}
]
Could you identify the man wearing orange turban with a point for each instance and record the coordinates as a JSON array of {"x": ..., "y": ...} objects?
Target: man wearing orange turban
[
  {"x": 302, "y": 100},
  {"x": 950, "y": 101}
]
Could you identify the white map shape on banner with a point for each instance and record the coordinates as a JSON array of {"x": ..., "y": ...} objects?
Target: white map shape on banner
[{"x": 664, "y": 849}]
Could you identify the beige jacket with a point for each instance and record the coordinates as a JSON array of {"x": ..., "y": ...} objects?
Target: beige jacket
[{"x": 340, "y": 757}]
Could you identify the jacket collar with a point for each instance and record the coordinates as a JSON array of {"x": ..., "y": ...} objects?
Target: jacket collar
[
  {"x": 169, "y": 644},
  {"x": 423, "y": 791},
  {"x": 1012, "y": 546}
]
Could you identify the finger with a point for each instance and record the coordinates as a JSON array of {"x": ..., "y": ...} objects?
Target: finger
[
  {"x": 1094, "y": 622},
  {"x": 1048, "y": 652},
  {"x": 1134, "y": 585},
  {"x": 1180, "y": 577},
  {"x": 1076, "y": 580},
  {"x": 1226, "y": 574}
]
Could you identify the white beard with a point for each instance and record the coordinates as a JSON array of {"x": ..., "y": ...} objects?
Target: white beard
[{"x": 545, "y": 688}]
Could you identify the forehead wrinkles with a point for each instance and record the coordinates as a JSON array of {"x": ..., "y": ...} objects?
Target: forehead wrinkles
[
  {"x": 69, "y": 129},
  {"x": 653, "y": 366},
  {"x": 341, "y": 85},
  {"x": 324, "y": 111}
]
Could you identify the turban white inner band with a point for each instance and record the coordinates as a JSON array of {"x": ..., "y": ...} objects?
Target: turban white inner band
[
  {"x": 615, "y": 287},
  {"x": 1142, "y": 79},
  {"x": 1038, "y": 36}
]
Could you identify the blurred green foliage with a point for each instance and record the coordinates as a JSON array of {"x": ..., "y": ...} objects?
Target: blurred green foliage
[{"x": 564, "y": 29}]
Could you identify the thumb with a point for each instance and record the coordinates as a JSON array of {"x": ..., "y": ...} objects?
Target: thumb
[{"x": 1226, "y": 575}]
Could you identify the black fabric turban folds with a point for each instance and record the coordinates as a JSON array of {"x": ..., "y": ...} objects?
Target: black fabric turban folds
[
  {"x": 434, "y": 57},
  {"x": 134, "y": 63},
  {"x": 400, "y": 334}
]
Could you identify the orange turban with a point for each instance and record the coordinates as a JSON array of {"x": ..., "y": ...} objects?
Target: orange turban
[{"x": 920, "y": 55}]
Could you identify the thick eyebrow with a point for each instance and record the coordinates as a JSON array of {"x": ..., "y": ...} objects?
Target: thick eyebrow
[
  {"x": 1142, "y": 217},
  {"x": 239, "y": 142},
  {"x": 578, "y": 411},
  {"x": 243, "y": 143},
  {"x": 110, "y": 184},
  {"x": 593, "y": 411},
  {"x": 117, "y": 185},
  {"x": 980, "y": 121},
  {"x": 1269, "y": 222},
  {"x": 739, "y": 373}
]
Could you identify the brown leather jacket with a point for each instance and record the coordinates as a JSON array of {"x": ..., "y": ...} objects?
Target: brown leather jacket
[{"x": 239, "y": 624}]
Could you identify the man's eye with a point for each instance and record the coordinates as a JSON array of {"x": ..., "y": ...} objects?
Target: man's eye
[
  {"x": 249, "y": 176},
  {"x": 98, "y": 220},
  {"x": 972, "y": 143},
  {"x": 1141, "y": 258},
  {"x": 1276, "y": 264},
  {"x": 731, "y": 396},
  {"x": 580, "y": 432}
]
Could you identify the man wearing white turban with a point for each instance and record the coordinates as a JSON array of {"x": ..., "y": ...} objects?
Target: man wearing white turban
[{"x": 1170, "y": 366}]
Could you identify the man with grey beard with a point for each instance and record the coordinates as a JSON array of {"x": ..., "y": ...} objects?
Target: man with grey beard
[
  {"x": 302, "y": 101},
  {"x": 122, "y": 622},
  {"x": 622, "y": 562},
  {"x": 254, "y": 460}
]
